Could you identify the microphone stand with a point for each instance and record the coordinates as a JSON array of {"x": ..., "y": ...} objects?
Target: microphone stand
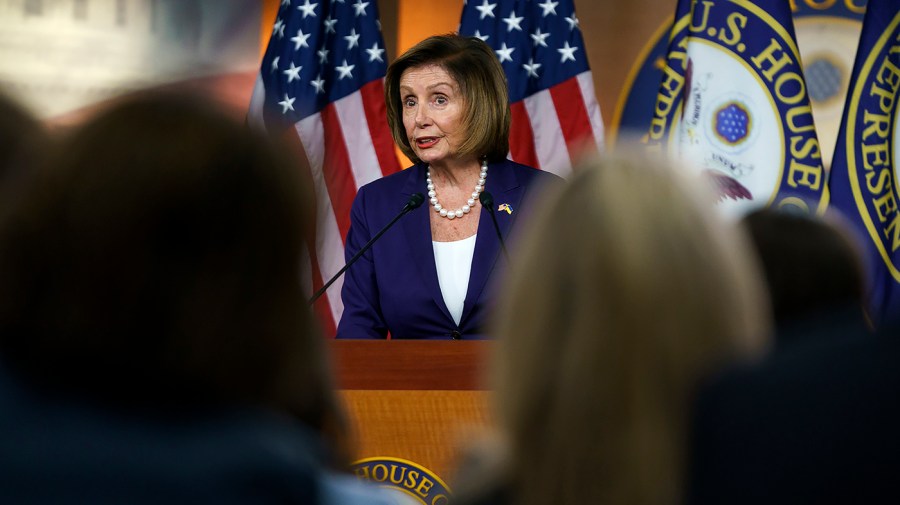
[
  {"x": 487, "y": 201},
  {"x": 414, "y": 202}
]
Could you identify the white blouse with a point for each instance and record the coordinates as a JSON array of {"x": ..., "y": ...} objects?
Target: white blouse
[{"x": 454, "y": 264}]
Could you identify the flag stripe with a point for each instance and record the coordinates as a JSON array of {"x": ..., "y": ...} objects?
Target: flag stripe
[
  {"x": 376, "y": 116},
  {"x": 361, "y": 157},
  {"x": 548, "y": 136},
  {"x": 573, "y": 116},
  {"x": 322, "y": 79},
  {"x": 311, "y": 277},
  {"x": 336, "y": 169},
  {"x": 329, "y": 246},
  {"x": 586, "y": 82},
  {"x": 521, "y": 138},
  {"x": 322, "y": 308},
  {"x": 540, "y": 46}
]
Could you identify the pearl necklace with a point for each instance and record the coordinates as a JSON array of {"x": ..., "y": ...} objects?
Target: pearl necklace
[{"x": 465, "y": 209}]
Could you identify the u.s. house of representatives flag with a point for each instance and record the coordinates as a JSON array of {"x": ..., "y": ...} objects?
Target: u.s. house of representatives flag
[
  {"x": 733, "y": 105},
  {"x": 555, "y": 115},
  {"x": 864, "y": 170},
  {"x": 321, "y": 81}
]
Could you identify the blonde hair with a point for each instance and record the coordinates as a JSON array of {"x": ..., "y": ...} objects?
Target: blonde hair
[{"x": 626, "y": 291}]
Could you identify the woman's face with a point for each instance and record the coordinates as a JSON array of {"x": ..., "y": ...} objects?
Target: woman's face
[{"x": 433, "y": 109}]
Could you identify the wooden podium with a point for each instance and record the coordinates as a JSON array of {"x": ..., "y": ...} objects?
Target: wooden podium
[{"x": 420, "y": 401}]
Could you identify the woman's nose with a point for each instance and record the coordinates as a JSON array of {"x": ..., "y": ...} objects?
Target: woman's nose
[{"x": 422, "y": 117}]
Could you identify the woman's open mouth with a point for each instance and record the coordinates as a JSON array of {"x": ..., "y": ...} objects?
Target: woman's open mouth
[{"x": 426, "y": 142}]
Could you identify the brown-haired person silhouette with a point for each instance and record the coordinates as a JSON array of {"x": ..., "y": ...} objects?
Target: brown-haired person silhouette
[
  {"x": 813, "y": 270},
  {"x": 155, "y": 343},
  {"x": 23, "y": 141},
  {"x": 815, "y": 422}
]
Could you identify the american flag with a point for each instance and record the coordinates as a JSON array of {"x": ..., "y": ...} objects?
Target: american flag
[
  {"x": 555, "y": 114},
  {"x": 321, "y": 83}
]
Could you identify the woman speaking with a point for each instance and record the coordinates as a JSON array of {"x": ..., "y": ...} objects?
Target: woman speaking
[{"x": 428, "y": 277}]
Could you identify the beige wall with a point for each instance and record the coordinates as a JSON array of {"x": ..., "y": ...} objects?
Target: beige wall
[{"x": 615, "y": 33}]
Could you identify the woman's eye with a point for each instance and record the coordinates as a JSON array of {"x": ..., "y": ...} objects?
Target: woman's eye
[
  {"x": 441, "y": 100},
  {"x": 409, "y": 102}
]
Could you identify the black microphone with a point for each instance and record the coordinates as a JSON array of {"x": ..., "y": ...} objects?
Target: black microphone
[
  {"x": 414, "y": 202},
  {"x": 487, "y": 201}
]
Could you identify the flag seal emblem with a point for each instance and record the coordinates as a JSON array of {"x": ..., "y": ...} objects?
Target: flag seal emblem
[
  {"x": 734, "y": 70},
  {"x": 406, "y": 477},
  {"x": 827, "y": 35},
  {"x": 872, "y": 142},
  {"x": 732, "y": 123},
  {"x": 730, "y": 129}
]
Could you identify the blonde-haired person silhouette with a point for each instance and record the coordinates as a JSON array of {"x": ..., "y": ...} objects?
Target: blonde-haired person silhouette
[{"x": 627, "y": 291}]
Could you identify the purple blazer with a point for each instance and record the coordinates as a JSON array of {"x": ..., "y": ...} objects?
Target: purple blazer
[{"x": 393, "y": 287}]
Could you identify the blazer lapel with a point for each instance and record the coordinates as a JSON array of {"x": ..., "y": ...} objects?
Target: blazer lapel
[
  {"x": 417, "y": 226},
  {"x": 505, "y": 187}
]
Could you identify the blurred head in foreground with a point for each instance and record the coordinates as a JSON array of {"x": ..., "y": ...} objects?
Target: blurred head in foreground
[
  {"x": 625, "y": 293},
  {"x": 23, "y": 140},
  {"x": 812, "y": 266},
  {"x": 156, "y": 260}
]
